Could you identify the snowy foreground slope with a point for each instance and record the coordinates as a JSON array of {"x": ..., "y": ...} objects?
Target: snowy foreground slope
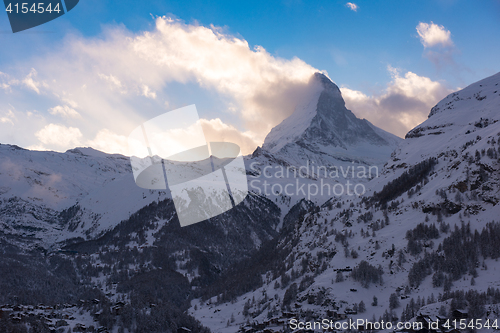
[
  {"x": 422, "y": 241},
  {"x": 77, "y": 233}
]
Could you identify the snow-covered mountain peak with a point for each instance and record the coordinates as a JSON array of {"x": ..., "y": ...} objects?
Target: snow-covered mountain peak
[
  {"x": 323, "y": 119},
  {"x": 323, "y": 101},
  {"x": 328, "y": 86},
  {"x": 323, "y": 130},
  {"x": 292, "y": 127}
]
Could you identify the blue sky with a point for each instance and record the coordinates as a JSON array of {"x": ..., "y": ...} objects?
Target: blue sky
[{"x": 387, "y": 72}]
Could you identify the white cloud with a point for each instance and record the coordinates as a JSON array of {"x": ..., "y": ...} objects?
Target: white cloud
[
  {"x": 352, "y": 6},
  {"x": 434, "y": 35},
  {"x": 263, "y": 86},
  {"x": 107, "y": 76},
  {"x": 146, "y": 92},
  {"x": 8, "y": 118},
  {"x": 4, "y": 85},
  {"x": 64, "y": 111},
  {"x": 113, "y": 82},
  {"x": 437, "y": 42},
  {"x": 217, "y": 131},
  {"x": 106, "y": 140},
  {"x": 177, "y": 140},
  {"x": 69, "y": 101},
  {"x": 29, "y": 82},
  {"x": 405, "y": 102},
  {"x": 59, "y": 136}
]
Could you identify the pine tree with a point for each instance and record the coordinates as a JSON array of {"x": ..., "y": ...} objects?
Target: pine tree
[
  {"x": 442, "y": 311},
  {"x": 393, "y": 301},
  {"x": 361, "y": 307}
]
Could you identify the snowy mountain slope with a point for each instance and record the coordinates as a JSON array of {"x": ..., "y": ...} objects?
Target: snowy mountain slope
[
  {"x": 49, "y": 197},
  {"x": 44, "y": 177},
  {"x": 218, "y": 242},
  {"x": 459, "y": 126},
  {"x": 38, "y": 186},
  {"x": 445, "y": 174},
  {"x": 108, "y": 234},
  {"x": 79, "y": 216}
]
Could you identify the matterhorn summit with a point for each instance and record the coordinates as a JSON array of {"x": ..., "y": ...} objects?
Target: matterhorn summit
[{"x": 323, "y": 130}]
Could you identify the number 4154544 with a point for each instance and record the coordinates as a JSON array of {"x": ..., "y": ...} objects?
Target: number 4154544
[
  {"x": 475, "y": 324},
  {"x": 36, "y": 8}
]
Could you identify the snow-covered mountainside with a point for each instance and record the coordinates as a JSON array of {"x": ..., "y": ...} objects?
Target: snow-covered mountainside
[
  {"x": 76, "y": 231},
  {"x": 320, "y": 145},
  {"x": 421, "y": 243},
  {"x": 39, "y": 189}
]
